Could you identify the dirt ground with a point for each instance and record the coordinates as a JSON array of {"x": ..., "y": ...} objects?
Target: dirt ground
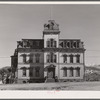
[{"x": 53, "y": 86}]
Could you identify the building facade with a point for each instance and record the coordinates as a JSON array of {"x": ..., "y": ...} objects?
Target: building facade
[{"x": 49, "y": 58}]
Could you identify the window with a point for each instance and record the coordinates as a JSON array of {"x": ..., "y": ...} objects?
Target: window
[
  {"x": 24, "y": 72},
  {"x": 51, "y": 58},
  {"x": 71, "y": 72},
  {"x": 77, "y": 58},
  {"x": 37, "y": 74},
  {"x": 68, "y": 44},
  {"x": 37, "y": 58},
  {"x": 51, "y": 43},
  {"x": 55, "y": 58},
  {"x": 31, "y": 72},
  {"x": 77, "y": 44},
  {"x": 77, "y": 72},
  {"x": 48, "y": 58},
  {"x": 65, "y": 58},
  {"x": 65, "y": 72},
  {"x": 71, "y": 44},
  {"x": 24, "y": 58},
  {"x": 55, "y": 44},
  {"x": 64, "y": 44},
  {"x": 74, "y": 44},
  {"x": 48, "y": 43},
  {"x": 71, "y": 58},
  {"x": 30, "y": 58}
]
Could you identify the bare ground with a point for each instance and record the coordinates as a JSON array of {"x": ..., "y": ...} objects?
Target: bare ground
[{"x": 53, "y": 86}]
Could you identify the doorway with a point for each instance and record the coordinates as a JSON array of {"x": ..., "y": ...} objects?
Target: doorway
[{"x": 51, "y": 73}]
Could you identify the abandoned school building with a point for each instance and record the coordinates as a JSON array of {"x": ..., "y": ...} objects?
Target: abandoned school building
[{"x": 49, "y": 58}]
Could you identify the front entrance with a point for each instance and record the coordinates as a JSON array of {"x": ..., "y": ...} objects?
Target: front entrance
[{"x": 51, "y": 73}]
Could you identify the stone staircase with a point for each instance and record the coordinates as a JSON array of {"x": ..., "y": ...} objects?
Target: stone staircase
[{"x": 48, "y": 80}]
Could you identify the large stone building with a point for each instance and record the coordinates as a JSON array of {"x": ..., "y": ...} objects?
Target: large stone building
[{"x": 49, "y": 58}]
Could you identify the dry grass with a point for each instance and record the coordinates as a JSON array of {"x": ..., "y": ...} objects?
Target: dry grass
[{"x": 53, "y": 86}]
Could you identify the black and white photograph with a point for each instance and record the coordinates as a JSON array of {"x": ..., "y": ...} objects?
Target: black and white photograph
[{"x": 50, "y": 47}]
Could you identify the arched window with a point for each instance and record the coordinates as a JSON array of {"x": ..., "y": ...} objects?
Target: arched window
[
  {"x": 74, "y": 44},
  {"x": 77, "y": 44},
  {"x": 77, "y": 72},
  {"x": 48, "y": 43},
  {"x": 71, "y": 44},
  {"x": 71, "y": 58},
  {"x": 37, "y": 71},
  {"x": 51, "y": 58},
  {"x": 24, "y": 72},
  {"x": 55, "y": 44},
  {"x": 24, "y": 58},
  {"x": 37, "y": 58},
  {"x": 64, "y": 72},
  {"x": 64, "y": 58},
  {"x": 77, "y": 58},
  {"x": 51, "y": 43},
  {"x": 48, "y": 58},
  {"x": 54, "y": 58},
  {"x": 68, "y": 44},
  {"x": 71, "y": 71},
  {"x": 30, "y": 58}
]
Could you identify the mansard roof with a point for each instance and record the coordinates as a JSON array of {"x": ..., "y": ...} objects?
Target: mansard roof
[
  {"x": 31, "y": 43},
  {"x": 69, "y": 39}
]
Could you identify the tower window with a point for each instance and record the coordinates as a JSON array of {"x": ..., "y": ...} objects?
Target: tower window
[
  {"x": 37, "y": 58},
  {"x": 51, "y": 43},
  {"x": 48, "y": 58},
  {"x": 54, "y": 43},
  {"x": 51, "y": 58},
  {"x": 55, "y": 58},
  {"x": 48, "y": 43}
]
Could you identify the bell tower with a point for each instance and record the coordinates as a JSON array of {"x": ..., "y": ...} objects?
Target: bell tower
[{"x": 51, "y": 34}]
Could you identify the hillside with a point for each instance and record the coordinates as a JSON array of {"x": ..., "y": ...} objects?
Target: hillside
[{"x": 92, "y": 73}]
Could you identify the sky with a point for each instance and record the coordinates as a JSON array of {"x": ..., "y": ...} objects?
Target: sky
[{"x": 26, "y": 21}]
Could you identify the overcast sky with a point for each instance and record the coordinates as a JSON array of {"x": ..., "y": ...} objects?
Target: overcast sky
[{"x": 27, "y": 21}]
